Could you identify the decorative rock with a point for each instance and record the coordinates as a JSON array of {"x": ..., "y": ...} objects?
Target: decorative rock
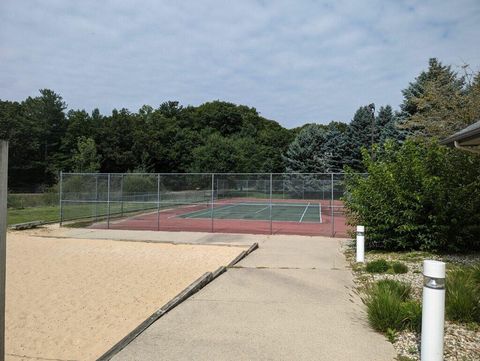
[{"x": 461, "y": 343}]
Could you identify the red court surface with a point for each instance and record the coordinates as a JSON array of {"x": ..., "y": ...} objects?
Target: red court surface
[{"x": 333, "y": 220}]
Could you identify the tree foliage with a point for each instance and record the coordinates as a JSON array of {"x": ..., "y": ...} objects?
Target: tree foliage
[
  {"x": 440, "y": 101},
  {"x": 329, "y": 148},
  {"x": 221, "y": 136},
  {"x": 215, "y": 136},
  {"x": 418, "y": 195},
  {"x": 85, "y": 159},
  {"x": 316, "y": 148}
]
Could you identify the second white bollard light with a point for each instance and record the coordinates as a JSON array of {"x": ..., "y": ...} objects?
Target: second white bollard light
[
  {"x": 433, "y": 310},
  {"x": 361, "y": 244}
]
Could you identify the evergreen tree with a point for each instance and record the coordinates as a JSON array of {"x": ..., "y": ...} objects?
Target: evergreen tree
[
  {"x": 316, "y": 149},
  {"x": 358, "y": 136},
  {"x": 47, "y": 113},
  {"x": 434, "y": 104},
  {"x": 386, "y": 126}
]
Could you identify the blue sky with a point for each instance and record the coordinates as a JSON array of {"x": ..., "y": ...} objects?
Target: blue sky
[{"x": 294, "y": 61}]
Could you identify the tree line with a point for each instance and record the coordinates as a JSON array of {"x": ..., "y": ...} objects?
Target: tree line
[
  {"x": 213, "y": 137},
  {"x": 418, "y": 193},
  {"x": 46, "y": 137}
]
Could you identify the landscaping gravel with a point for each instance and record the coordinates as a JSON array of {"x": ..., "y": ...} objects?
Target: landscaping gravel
[{"x": 462, "y": 342}]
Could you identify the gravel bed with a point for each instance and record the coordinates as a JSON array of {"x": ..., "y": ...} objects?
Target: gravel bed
[{"x": 462, "y": 343}]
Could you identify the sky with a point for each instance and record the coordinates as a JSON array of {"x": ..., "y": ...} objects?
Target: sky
[{"x": 294, "y": 61}]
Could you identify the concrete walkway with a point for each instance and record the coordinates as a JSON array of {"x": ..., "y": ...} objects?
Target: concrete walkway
[{"x": 291, "y": 299}]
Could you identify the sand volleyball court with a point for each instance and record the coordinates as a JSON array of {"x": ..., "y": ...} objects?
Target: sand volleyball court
[{"x": 73, "y": 299}]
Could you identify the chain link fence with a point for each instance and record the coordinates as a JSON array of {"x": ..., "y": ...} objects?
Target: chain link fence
[{"x": 267, "y": 203}]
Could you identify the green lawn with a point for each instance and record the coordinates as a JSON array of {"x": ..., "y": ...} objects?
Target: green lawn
[
  {"x": 47, "y": 213},
  {"x": 72, "y": 211}
]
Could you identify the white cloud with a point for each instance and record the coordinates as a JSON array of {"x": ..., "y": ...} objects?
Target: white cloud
[{"x": 294, "y": 61}]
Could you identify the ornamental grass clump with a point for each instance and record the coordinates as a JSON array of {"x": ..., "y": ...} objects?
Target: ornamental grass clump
[
  {"x": 399, "y": 268},
  {"x": 377, "y": 266},
  {"x": 390, "y": 307},
  {"x": 382, "y": 266},
  {"x": 462, "y": 299}
]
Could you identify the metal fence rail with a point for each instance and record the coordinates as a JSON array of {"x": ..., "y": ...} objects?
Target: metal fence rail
[{"x": 291, "y": 203}]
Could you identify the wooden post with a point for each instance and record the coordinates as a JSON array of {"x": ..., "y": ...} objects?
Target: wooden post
[{"x": 3, "y": 239}]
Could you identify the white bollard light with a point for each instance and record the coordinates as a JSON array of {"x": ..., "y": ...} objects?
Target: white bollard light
[
  {"x": 361, "y": 244},
  {"x": 433, "y": 310}
]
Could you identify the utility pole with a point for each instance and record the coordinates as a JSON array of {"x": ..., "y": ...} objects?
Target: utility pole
[{"x": 371, "y": 109}]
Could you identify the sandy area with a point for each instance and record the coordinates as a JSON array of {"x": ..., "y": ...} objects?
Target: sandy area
[{"x": 72, "y": 299}]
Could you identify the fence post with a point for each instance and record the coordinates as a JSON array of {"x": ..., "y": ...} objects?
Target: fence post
[
  {"x": 158, "y": 201},
  {"x": 60, "y": 198},
  {"x": 271, "y": 222},
  {"x": 212, "y": 198},
  {"x": 332, "y": 220},
  {"x": 108, "y": 201},
  {"x": 96, "y": 197},
  {"x": 303, "y": 188},
  {"x": 332, "y": 187},
  {"x": 247, "y": 188},
  {"x": 121, "y": 195},
  {"x": 3, "y": 238}
]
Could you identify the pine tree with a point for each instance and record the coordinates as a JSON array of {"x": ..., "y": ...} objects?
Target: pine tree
[
  {"x": 386, "y": 126},
  {"x": 433, "y": 104},
  {"x": 316, "y": 149},
  {"x": 358, "y": 136}
]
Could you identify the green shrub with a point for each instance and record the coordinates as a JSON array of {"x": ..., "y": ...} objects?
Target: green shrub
[
  {"x": 28, "y": 200},
  {"x": 399, "y": 267},
  {"x": 391, "y": 335},
  {"x": 463, "y": 295},
  {"x": 417, "y": 196},
  {"x": 377, "y": 266},
  {"x": 390, "y": 309}
]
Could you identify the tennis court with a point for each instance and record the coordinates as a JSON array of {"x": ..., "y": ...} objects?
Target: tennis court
[
  {"x": 257, "y": 203},
  {"x": 286, "y": 212},
  {"x": 239, "y": 216}
]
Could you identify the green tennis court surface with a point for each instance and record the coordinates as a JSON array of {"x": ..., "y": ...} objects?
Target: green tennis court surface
[{"x": 285, "y": 212}]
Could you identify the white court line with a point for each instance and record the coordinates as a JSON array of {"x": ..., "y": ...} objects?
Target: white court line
[
  {"x": 320, "y": 211},
  {"x": 210, "y": 211},
  {"x": 305, "y": 211},
  {"x": 176, "y": 215},
  {"x": 262, "y": 209}
]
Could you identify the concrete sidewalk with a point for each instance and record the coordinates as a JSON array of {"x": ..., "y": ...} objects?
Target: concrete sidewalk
[{"x": 291, "y": 299}]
